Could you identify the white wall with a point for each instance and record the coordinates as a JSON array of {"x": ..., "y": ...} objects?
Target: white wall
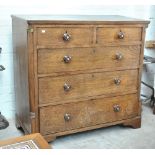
[{"x": 49, "y": 7}]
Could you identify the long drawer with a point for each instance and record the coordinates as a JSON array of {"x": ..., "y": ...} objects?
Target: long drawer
[
  {"x": 118, "y": 34},
  {"x": 74, "y": 87},
  {"x": 87, "y": 113},
  {"x": 65, "y": 36},
  {"x": 78, "y": 59}
]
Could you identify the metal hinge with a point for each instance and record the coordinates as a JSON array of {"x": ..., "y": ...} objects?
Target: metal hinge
[
  {"x": 32, "y": 115},
  {"x": 30, "y": 30}
]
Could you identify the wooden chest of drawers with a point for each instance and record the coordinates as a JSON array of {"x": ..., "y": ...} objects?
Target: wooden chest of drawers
[{"x": 77, "y": 73}]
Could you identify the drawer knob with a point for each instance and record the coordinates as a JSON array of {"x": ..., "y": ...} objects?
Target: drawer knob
[
  {"x": 67, "y": 117},
  {"x": 67, "y": 59},
  {"x": 119, "y": 56},
  {"x": 117, "y": 81},
  {"x": 120, "y": 35},
  {"x": 116, "y": 108},
  {"x": 2, "y": 68},
  {"x": 66, "y": 36},
  {"x": 67, "y": 87},
  {"x": 0, "y": 49}
]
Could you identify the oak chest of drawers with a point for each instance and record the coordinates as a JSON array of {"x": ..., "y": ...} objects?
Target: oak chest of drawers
[{"x": 77, "y": 73}]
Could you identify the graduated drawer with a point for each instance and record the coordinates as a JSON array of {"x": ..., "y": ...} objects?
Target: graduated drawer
[
  {"x": 74, "y": 87},
  {"x": 87, "y": 113},
  {"x": 78, "y": 59},
  {"x": 64, "y": 36},
  {"x": 118, "y": 34}
]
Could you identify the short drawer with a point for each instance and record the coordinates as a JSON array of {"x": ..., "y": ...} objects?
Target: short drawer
[
  {"x": 118, "y": 34},
  {"x": 64, "y": 36},
  {"x": 80, "y": 59},
  {"x": 74, "y": 87},
  {"x": 87, "y": 113}
]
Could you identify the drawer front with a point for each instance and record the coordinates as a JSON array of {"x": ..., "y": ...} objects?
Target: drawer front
[
  {"x": 74, "y": 87},
  {"x": 77, "y": 59},
  {"x": 64, "y": 36},
  {"x": 87, "y": 113},
  {"x": 118, "y": 34}
]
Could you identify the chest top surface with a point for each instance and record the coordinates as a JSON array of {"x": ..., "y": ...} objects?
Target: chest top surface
[{"x": 110, "y": 19}]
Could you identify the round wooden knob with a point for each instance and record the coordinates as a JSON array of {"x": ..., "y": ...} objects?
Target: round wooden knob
[
  {"x": 67, "y": 59},
  {"x": 66, "y": 36},
  {"x": 116, "y": 108},
  {"x": 120, "y": 35},
  {"x": 67, "y": 117},
  {"x": 119, "y": 56},
  {"x": 117, "y": 81},
  {"x": 67, "y": 87}
]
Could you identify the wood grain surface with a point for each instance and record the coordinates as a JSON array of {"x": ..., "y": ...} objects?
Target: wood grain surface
[
  {"x": 103, "y": 72},
  {"x": 51, "y": 89},
  {"x": 88, "y": 113},
  {"x": 82, "y": 59}
]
